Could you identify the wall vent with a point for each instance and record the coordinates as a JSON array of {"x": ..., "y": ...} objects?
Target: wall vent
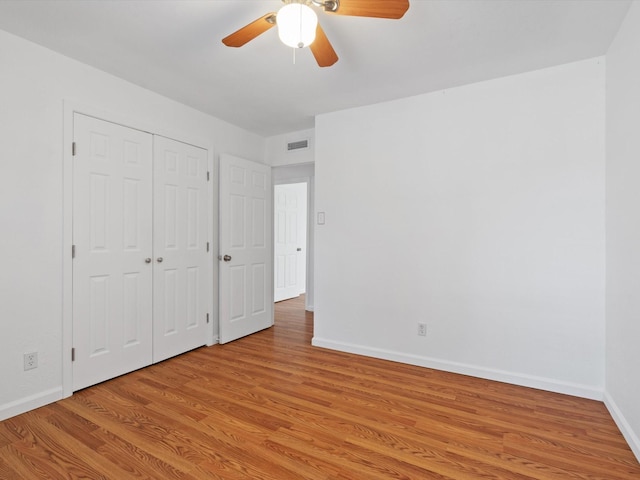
[{"x": 299, "y": 145}]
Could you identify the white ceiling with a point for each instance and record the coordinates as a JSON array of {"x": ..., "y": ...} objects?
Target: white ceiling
[{"x": 174, "y": 48}]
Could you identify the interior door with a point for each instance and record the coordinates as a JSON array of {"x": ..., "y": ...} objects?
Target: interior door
[
  {"x": 181, "y": 280},
  {"x": 112, "y": 237},
  {"x": 290, "y": 212},
  {"x": 246, "y": 271}
]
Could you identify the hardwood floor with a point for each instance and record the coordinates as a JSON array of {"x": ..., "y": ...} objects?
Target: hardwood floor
[{"x": 270, "y": 406}]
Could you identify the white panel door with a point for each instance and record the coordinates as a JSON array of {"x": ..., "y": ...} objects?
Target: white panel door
[
  {"x": 246, "y": 272},
  {"x": 112, "y": 269},
  {"x": 290, "y": 212},
  {"x": 182, "y": 271}
]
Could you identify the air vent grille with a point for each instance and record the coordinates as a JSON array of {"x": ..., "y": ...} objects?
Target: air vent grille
[{"x": 300, "y": 144}]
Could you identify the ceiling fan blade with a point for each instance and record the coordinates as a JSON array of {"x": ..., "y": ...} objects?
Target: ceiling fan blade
[
  {"x": 322, "y": 49},
  {"x": 251, "y": 31},
  {"x": 368, "y": 8}
]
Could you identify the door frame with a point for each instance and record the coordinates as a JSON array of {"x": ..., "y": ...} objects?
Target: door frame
[
  {"x": 289, "y": 176},
  {"x": 70, "y": 108}
]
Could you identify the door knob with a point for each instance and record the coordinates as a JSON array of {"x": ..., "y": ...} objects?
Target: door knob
[
  {"x": 147, "y": 260},
  {"x": 298, "y": 249},
  {"x": 159, "y": 259},
  {"x": 227, "y": 258}
]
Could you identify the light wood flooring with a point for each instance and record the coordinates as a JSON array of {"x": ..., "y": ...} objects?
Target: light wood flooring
[{"x": 270, "y": 406}]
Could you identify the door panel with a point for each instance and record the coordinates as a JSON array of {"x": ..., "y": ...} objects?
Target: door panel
[
  {"x": 141, "y": 272},
  {"x": 112, "y": 205},
  {"x": 246, "y": 279},
  {"x": 181, "y": 273},
  {"x": 290, "y": 213}
]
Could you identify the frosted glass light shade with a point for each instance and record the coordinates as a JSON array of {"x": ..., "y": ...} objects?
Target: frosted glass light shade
[{"x": 297, "y": 25}]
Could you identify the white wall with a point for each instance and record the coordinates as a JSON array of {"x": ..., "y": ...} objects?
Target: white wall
[
  {"x": 623, "y": 228},
  {"x": 478, "y": 210},
  {"x": 278, "y": 155},
  {"x": 33, "y": 84}
]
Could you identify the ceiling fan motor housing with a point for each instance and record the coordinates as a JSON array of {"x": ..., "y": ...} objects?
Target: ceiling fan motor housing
[{"x": 297, "y": 24}]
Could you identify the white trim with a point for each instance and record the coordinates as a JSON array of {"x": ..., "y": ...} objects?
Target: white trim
[
  {"x": 31, "y": 402},
  {"x": 551, "y": 385},
  {"x": 213, "y": 251},
  {"x": 289, "y": 181},
  {"x": 627, "y": 432},
  {"x": 67, "y": 241},
  {"x": 70, "y": 108}
]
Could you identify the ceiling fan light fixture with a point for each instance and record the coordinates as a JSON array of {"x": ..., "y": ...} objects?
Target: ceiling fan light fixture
[{"x": 297, "y": 25}]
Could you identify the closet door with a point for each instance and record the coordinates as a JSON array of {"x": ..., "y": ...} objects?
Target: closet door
[
  {"x": 112, "y": 269},
  {"x": 182, "y": 265}
]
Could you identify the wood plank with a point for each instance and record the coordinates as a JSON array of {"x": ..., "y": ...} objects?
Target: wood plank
[{"x": 272, "y": 407}]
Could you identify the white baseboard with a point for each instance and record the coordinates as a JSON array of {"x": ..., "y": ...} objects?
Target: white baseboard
[
  {"x": 32, "y": 402},
  {"x": 515, "y": 378},
  {"x": 627, "y": 432}
]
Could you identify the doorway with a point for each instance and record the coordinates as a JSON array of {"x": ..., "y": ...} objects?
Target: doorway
[{"x": 291, "y": 177}]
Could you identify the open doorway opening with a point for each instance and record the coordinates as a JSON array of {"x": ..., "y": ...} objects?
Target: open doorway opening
[
  {"x": 290, "y": 240},
  {"x": 297, "y": 229}
]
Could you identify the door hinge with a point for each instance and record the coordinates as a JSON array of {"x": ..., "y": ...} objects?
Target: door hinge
[
  {"x": 73, "y": 354},
  {"x": 73, "y": 149},
  {"x": 208, "y": 176},
  {"x": 73, "y": 251},
  {"x": 207, "y": 318},
  {"x": 207, "y": 246}
]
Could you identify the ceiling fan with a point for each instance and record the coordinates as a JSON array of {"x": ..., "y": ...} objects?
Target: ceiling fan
[{"x": 298, "y": 25}]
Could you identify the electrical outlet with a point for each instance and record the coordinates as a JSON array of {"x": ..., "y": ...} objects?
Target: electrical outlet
[
  {"x": 30, "y": 360},
  {"x": 422, "y": 329}
]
